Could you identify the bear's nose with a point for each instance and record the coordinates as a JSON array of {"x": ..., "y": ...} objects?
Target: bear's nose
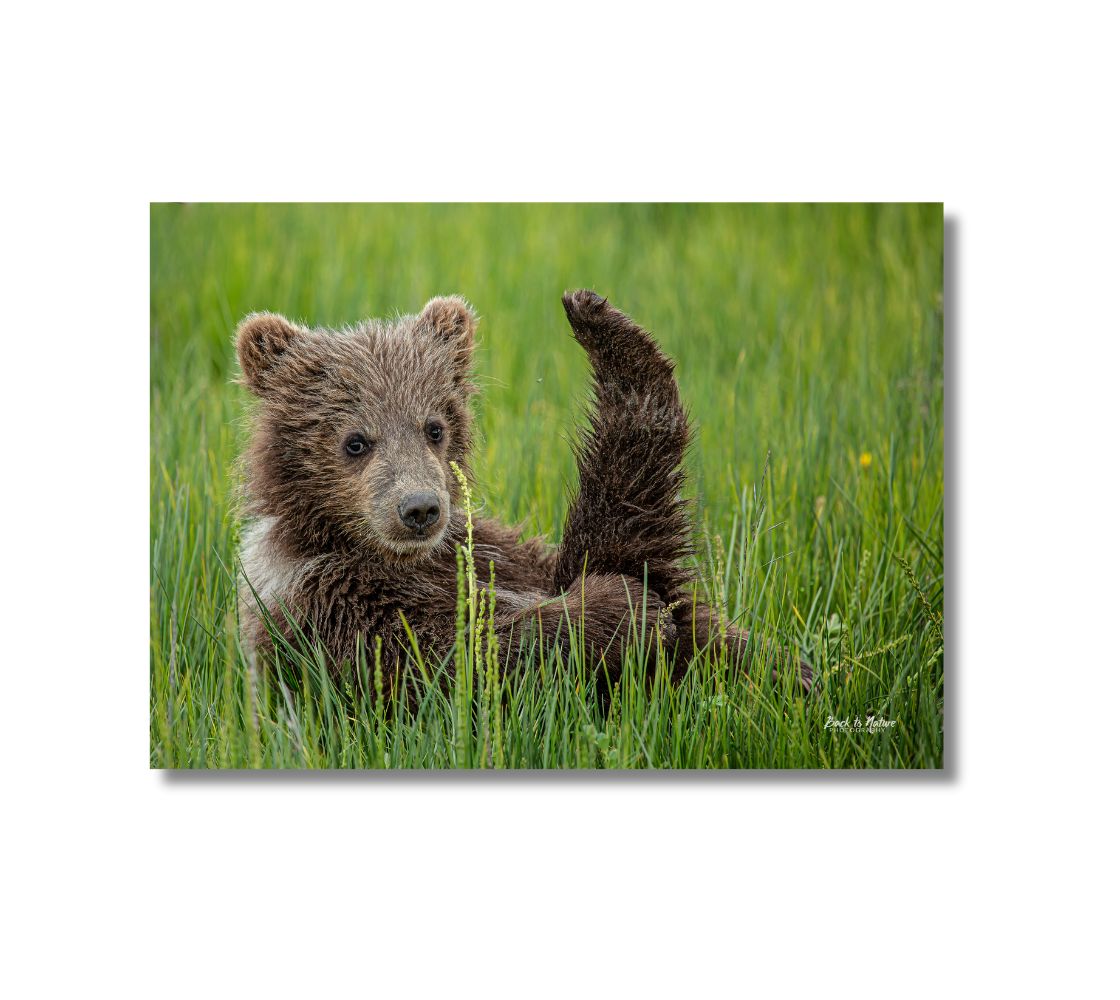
[{"x": 418, "y": 510}]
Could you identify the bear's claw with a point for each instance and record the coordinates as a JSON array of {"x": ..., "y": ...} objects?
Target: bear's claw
[
  {"x": 584, "y": 306},
  {"x": 620, "y": 350}
]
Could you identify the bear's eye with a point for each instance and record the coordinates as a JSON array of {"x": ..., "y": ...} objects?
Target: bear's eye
[
  {"x": 356, "y": 444},
  {"x": 434, "y": 431}
]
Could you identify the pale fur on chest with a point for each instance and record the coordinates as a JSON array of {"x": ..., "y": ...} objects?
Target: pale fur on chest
[{"x": 270, "y": 572}]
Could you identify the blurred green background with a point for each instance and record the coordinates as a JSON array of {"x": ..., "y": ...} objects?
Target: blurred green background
[{"x": 811, "y": 334}]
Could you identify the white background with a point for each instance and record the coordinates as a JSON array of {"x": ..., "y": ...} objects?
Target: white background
[{"x": 997, "y": 877}]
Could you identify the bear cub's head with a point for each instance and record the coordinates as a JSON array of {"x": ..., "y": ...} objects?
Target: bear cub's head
[{"x": 357, "y": 428}]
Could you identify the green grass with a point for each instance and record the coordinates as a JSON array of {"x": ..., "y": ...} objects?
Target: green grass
[{"x": 806, "y": 336}]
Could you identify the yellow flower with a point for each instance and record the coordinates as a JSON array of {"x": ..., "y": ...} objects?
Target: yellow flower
[{"x": 865, "y": 460}]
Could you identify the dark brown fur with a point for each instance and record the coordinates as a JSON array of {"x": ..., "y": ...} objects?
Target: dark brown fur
[{"x": 329, "y": 552}]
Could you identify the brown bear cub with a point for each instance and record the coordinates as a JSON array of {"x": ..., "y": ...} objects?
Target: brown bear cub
[{"x": 356, "y": 510}]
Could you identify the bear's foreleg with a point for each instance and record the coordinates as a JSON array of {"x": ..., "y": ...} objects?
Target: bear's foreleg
[{"x": 601, "y": 617}]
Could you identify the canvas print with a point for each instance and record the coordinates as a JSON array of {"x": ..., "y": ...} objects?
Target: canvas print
[{"x": 532, "y": 486}]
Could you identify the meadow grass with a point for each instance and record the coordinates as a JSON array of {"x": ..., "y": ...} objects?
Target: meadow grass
[{"x": 809, "y": 350}]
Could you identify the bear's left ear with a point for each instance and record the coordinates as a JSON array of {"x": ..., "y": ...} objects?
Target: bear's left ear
[{"x": 452, "y": 321}]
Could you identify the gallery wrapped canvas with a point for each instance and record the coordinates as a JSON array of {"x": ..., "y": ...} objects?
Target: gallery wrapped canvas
[{"x": 547, "y": 486}]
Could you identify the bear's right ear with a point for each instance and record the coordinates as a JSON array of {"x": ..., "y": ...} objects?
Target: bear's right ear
[{"x": 262, "y": 341}]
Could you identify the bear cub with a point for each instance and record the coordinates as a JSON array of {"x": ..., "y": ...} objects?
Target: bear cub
[{"x": 355, "y": 511}]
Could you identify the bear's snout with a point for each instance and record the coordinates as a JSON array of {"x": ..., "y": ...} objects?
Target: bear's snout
[{"x": 419, "y": 510}]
